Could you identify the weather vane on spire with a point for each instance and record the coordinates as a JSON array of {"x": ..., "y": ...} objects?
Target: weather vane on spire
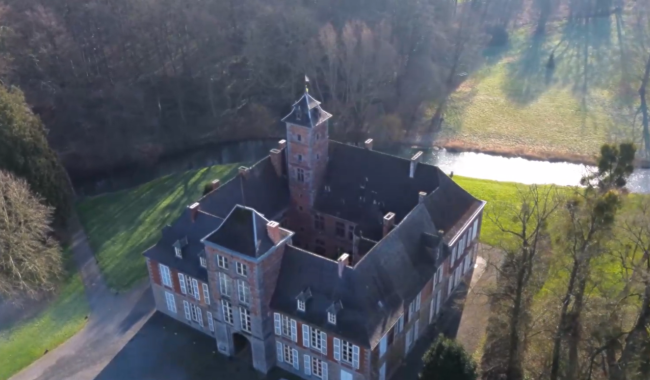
[{"x": 306, "y": 83}]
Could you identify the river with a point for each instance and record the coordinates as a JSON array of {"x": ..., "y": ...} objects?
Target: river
[{"x": 476, "y": 165}]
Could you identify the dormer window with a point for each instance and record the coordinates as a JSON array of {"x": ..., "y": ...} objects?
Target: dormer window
[
  {"x": 302, "y": 299},
  {"x": 204, "y": 263},
  {"x": 179, "y": 252},
  {"x": 331, "y": 318},
  {"x": 333, "y": 311},
  {"x": 298, "y": 113},
  {"x": 178, "y": 247}
]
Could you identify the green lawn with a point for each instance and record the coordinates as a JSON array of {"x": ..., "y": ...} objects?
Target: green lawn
[
  {"x": 514, "y": 103},
  {"x": 23, "y": 343},
  {"x": 120, "y": 226}
]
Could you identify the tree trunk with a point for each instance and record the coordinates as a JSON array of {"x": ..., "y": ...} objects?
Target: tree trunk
[
  {"x": 557, "y": 340},
  {"x": 575, "y": 328},
  {"x": 514, "y": 371},
  {"x": 644, "y": 108}
]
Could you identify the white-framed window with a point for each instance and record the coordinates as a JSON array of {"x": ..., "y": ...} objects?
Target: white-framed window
[
  {"x": 301, "y": 305},
  {"x": 244, "y": 291},
  {"x": 225, "y": 284},
  {"x": 400, "y": 324},
  {"x": 418, "y": 301},
  {"x": 317, "y": 367},
  {"x": 179, "y": 252},
  {"x": 450, "y": 284},
  {"x": 171, "y": 302},
  {"x": 286, "y": 354},
  {"x": 182, "y": 283},
  {"x": 206, "y": 294},
  {"x": 346, "y": 351},
  {"x": 440, "y": 273},
  {"x": 331, "y": 318},
  {"x": 454, "y": 252},
  {"x": 411, "y": 311},
  {"x": 210, "y": 321},
  {"x": 383, "y": 345},
  {"x": 226, "y": 308},
  {"x": 186, "y": 308},
  {"x": 222, "y": 262},
  {"x": 204, "y": 263},
  {"x": 318, "y": 339},
  {"x": 242, "y": 269},
  {"x": 245, "y": 319},
  {"x": 286, "y": 326},
  {"x": 165, "y": 276},
  {"x": 307, "y": 365},
  {"x": 192, "y": 287},
  {"x": 197, "y": 314}
]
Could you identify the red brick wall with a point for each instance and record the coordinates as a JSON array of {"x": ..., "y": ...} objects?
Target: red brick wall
[{"x": 154, "y": 270}]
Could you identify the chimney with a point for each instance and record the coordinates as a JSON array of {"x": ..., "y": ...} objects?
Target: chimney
[
  {"x": 343, "y": 262},
  {"x": 414, "y": 162},
  {"x": 389, "y": 223},
  {"x": 243, "y": 171},
  {"x": 369, "y": 144},
  {"x": 276, "y": 160},
  {"x": 194, "y": 210},
  {"x": 421, "y": 196},
  {"x": 273, "y": 229},
  {"x": 215, "y": 184},
  {"x": 282, "y": 144}
]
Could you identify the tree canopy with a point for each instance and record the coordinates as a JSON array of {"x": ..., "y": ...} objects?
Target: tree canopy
[
  {"x": 24, "y": 151},
  {"x": 447, "y": 359},
  {"x": 30, "y": 258}
]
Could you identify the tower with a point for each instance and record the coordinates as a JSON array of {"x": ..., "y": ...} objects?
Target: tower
[{"x": 307, "y": 151}]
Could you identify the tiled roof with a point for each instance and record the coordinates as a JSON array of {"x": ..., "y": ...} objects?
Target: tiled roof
[
  {"x": 163, "y": 251},
  {"x": 362, "y": 185},
  {"x": 261, "y": 188},
  {"x": 243, "y": 231},
  {"x": 307, "y": 112},
  {"x": 374, "y": 293}
]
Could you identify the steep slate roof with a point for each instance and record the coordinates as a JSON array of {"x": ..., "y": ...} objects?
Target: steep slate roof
[
  {"x": 261, "y": 188},
  {"x": 163, "y": 251},
  {"x": 450, "y": 206},
  {"x": 243, "y": 231},
  {"x": 374, "y": 293},
  {"x": 307, "y": 112},
  {"x": 362, "y": 185}
]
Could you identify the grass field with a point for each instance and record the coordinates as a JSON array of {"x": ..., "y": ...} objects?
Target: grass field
[
  {"x": 515, "y": 104},
  {"x": 120, "y": 226},
  {"x": 26, "y": 341}
]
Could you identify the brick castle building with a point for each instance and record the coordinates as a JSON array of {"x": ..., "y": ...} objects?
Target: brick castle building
[{"x": 325, "y": 259}]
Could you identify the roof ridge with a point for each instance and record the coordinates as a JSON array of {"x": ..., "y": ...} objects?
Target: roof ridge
[{"x": 381, "y": 153}]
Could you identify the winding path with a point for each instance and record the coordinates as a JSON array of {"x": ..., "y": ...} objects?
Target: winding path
[{"x": 114, "y": 320}]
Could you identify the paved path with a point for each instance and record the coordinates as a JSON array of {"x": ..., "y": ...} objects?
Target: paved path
[{"x": 113, "y": 321}]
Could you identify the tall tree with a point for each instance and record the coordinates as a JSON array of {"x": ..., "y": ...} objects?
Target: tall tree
[
  {"x": 30, "y": 259},
  {"x": 24, "y": 150}
]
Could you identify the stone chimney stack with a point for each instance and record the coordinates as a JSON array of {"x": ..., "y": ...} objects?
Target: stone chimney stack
[
  {"x": 194, "y": 210},
  {"x": 273, "y": 229},
  {"x": 282, "y": 144},
  {"x": 389, "y": 223},
  {"x": 215, "y": 184},
  {"x": 421, "y": 196},
  {"x": 276, "y": 160},
  {"x": 343, "y": 261},
  {"x": 368, "y": 144},
  {"x": 414, "y": 163}
]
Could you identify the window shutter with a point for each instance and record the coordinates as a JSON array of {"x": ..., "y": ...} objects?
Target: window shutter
[
  {"x": 324, "y": 370},
  {"x": 323, "y": 343},
  {"x": 294, "y": 356},
  {"x": 162, "y": 274},
  {"x": 181, "y": 281},
  {"x": 278, "y": 324},
  {"x": 278, "y": 350},
  {"x": 382, "y": 346},
  {"x": 186, "y": 306},
  {"x": 475, "y": 229},
  {"x": 337, "y": 349},
  {"x": 417, "y": 301},
  {"x": 355, "y": 357},
  {"x": 417, "y": 329},
  {"x": 435, "y": 281},
  {"x": 431, "y": 309},
  {"x": 450, "y": 285},
  {"x": 294, "y": 331},
  {"x": 307, "y": 365},
  {"x": 401, "y": 323},
  {"x": 199, "y": 314},
  {"x": 210, "y": 321},
  {"x": 305, "y": 336},
  {"x": 206, "y": 294},
  {"x": 195, "y": 285}
]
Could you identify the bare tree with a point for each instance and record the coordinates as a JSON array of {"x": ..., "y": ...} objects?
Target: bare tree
[{"x": 30, "y": 259}]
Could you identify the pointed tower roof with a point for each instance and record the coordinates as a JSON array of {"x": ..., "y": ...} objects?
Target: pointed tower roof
[
  {"x": 307, "y": 112},
  {"x": 243, "y": 231}
]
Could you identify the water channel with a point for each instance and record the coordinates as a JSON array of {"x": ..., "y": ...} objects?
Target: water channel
[{"x": 476, "y": 165}]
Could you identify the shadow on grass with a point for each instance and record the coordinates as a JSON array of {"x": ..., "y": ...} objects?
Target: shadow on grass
[
  {"x": 165, "y": 349},
  {"x": 122, "y": 225}
]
